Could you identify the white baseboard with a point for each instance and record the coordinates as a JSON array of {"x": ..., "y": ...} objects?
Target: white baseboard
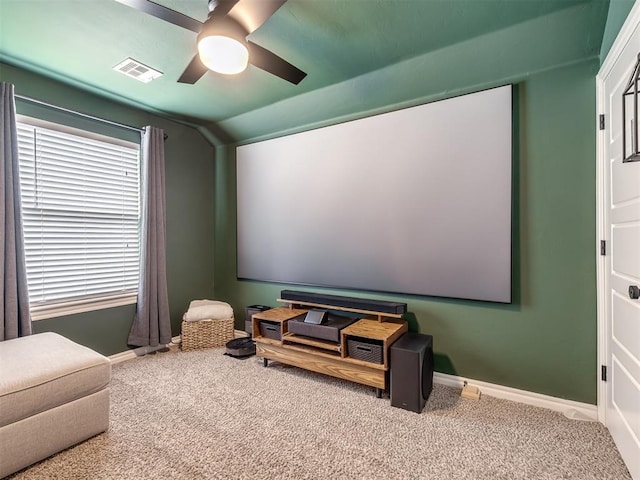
[
  {"x": 570, "y": 408},
  {"x": 122, "y": 356},
  {"x": 138, "y": 352}
]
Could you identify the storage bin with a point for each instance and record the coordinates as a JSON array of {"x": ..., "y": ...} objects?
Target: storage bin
[
  {"x": 249, "y": 312},
  {"x": 271, "y": 330},
  {"x": 365, "y": 349},
  {"x": 207, "y": 333}
]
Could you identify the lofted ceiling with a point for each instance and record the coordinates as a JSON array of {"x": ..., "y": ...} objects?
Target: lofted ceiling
[{"x": 79, "y": 41}]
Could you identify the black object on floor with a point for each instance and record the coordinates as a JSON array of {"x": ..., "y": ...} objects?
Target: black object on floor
[{"x": 240, "y": 347}]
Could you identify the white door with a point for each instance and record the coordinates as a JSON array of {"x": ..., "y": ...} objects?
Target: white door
[{"x": 619, "y": 269}]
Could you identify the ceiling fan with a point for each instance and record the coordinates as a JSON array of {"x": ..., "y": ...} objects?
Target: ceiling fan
[{"x": 221, "y": 42}]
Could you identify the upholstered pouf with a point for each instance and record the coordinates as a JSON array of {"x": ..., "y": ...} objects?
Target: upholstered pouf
[{"x": 54, "y": 393}]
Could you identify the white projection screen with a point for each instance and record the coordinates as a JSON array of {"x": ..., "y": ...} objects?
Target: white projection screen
[{"x": 415, "y": 201}]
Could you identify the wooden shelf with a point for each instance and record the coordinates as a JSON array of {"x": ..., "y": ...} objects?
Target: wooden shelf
[
  {"x": 270, "y": 341},
  {"x": 322, "y": 362},
  {"x": 387, "y": 333},
  {"x": 307, "y": 349},
  {"x": 313, "y": 342},
  {"x": 355, "y": 361},
  {"x": 279, "y": 314},
  {"x": 374, "y": 330}
]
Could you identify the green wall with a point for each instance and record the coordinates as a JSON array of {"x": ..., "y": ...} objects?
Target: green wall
[
  {"x": 190, "y": 211},
  {"x": 545, "y": 341}
]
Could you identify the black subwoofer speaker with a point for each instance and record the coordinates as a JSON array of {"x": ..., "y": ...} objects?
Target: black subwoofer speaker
[{"x": 411, "y": 365}]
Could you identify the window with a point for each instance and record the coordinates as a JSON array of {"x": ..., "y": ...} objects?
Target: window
[{"x": 81, "y": 213}]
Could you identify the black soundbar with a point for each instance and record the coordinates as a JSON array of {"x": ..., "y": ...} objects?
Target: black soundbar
[{"x": 346, "y": 302}]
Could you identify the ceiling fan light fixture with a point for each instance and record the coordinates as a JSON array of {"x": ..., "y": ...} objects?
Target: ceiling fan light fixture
[
  {"x": 223, "y": 54},
  {"x": 222, "y": 45}
]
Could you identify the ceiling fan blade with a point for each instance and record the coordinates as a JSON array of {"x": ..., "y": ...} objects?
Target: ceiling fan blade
[
  {"x": 270, "y": 62},
  {"x": 164, "y": 13},
  {"x": 253, "y": 13},
  {"x": 194, "y": 71}
]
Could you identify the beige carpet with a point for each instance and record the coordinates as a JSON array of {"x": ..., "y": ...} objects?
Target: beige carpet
[{"x": 204, "y": 415}]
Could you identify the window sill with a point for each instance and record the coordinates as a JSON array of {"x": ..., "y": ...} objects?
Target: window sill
[{"x": 41, "y": 312}]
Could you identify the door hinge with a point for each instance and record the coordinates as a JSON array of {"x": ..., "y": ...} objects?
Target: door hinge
[
  {"x": 603, "y": 373},
  {"x": 602, "y": 121},
  {"x": 603, "y": 247}
]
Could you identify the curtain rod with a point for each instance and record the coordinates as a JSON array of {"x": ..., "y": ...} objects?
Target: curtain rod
[{"x": 85, "y": 115}]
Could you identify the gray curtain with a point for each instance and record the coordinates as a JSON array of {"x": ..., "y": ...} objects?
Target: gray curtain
[
  {"x": 152, "y": 324},
  {"x": 15, "y": 318}
]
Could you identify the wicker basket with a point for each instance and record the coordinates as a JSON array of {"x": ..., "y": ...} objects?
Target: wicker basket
[{"x": 207, "y": 333}]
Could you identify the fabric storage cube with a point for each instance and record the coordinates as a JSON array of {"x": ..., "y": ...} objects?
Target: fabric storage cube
[
  {"x": 365, "y": 349},
  {"x": 271, "y": 330}
]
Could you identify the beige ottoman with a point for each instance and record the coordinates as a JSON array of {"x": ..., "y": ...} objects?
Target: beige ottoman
[{"x": 53, "y": 394}]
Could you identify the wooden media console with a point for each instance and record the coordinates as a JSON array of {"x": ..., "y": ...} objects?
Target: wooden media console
[{"x": 275, "y": 342}]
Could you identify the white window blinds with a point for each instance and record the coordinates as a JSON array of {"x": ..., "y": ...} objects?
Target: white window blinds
[{"x": 81, "y": 212}]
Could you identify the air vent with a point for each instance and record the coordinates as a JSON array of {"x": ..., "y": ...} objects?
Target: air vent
[{"x": 134, "y": 69}]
